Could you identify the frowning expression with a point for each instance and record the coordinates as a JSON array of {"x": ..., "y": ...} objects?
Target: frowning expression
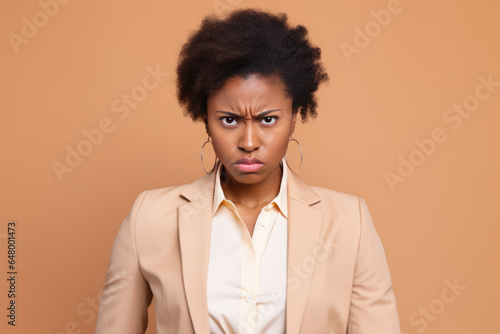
[{"x": 250, "y": 118}]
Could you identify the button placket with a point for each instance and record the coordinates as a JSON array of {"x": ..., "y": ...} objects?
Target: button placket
[{"x": 265, "y": 222}]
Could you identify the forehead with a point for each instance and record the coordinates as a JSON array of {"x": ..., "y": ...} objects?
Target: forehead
[{"x": 251, "y": 92}]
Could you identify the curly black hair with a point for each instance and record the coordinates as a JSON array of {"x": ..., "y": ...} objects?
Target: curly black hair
[{"x": 248, "y": 41}]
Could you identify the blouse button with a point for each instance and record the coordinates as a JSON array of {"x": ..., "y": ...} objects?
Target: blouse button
[{"x": 249, "y": 299}]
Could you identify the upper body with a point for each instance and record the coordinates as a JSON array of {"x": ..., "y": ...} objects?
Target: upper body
[
  {"x": 247, "y": 266},
  {"x": 196, "y": 249},
  {"x": 338, "y": 279}
]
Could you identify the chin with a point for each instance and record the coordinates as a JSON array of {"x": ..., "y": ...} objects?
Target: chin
[{"x": 246, "y": 177}]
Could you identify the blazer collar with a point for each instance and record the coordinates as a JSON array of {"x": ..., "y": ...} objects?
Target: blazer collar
[{"x": 194, "y": 222}]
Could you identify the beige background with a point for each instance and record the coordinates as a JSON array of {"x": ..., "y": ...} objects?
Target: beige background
[{"x": 439, "y": 225}]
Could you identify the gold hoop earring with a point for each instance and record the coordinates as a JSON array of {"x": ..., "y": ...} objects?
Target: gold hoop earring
[
  {"x": 301, "y": 157},
  {"x": 202, "y": 165}
]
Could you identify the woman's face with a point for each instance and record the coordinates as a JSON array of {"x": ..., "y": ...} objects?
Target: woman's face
[{"x": 250, "y": 118}]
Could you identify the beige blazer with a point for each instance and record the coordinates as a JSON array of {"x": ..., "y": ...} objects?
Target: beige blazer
[{"x": 338, "y": 277}]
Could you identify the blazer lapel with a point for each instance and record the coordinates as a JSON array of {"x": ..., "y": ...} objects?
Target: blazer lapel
[
  {"x": 195, "y": 221},
  {"x": 304, "y": 227}
]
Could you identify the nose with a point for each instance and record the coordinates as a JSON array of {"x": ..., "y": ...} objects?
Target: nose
[{"x": 249, "y": 140}]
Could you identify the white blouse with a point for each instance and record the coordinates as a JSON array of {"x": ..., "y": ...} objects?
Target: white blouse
[{"x": 247, "y": 275}]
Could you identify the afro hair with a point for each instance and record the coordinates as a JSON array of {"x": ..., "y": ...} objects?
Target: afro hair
[{"x": 248, "y": 41}]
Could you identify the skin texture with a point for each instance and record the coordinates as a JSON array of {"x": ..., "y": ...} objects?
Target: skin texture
[{"x": 240, "y": 126}]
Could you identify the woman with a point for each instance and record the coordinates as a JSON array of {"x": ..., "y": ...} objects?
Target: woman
[{"x": 250, "y": 247}]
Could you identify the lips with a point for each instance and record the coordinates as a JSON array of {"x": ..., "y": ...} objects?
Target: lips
[
  {"x": 249, "y": 165},
  {"x": 248, "y": 161}
]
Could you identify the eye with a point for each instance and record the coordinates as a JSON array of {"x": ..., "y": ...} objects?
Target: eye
[
  {"x": 228, "y": 120},
  {"x": 270, "y": 120}
]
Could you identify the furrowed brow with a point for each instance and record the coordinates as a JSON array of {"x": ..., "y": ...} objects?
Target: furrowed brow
[{"x": 238, "y": 116}]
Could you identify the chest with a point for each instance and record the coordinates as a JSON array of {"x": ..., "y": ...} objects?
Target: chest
[{"x": 247, "y": 277}]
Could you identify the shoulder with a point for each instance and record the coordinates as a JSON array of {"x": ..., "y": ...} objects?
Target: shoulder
[
  {"x": 160, "y": 199},
  {"x": 168, "y": 192},
  {"x": 336, "y": 198},
  {"x": 342, "y": 206}
]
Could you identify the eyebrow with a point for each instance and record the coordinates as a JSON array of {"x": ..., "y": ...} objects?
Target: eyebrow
[{"x": 234, "y": 115}]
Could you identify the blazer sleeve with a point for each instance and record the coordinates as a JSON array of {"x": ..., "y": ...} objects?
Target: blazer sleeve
[
  {"x": 373, "y": 304},
  {"x": 123, "y": 306}
]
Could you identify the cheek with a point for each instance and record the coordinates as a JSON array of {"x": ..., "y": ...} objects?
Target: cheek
[
  {"x": 279, "y": 143},
  {"x": 222, "y": 146}
]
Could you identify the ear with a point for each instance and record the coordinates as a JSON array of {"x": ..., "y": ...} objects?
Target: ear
[
  {"x": 206, "y": 125},
  {"x": 294, "y": 120}
]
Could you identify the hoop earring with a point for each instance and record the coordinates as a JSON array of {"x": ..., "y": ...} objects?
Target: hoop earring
[
  {"x": 301, "y": 157},
  {"x": 202, "y": 165}
]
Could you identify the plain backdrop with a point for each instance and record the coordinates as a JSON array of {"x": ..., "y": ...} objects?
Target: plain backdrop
[{"x": 75, "y": 154}]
